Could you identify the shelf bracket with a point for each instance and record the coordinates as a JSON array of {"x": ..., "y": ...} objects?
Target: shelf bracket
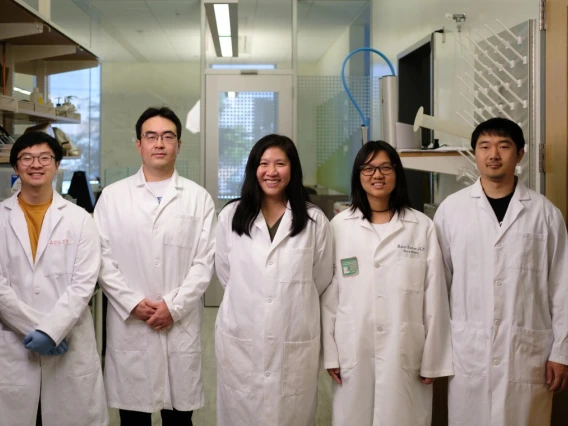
[
  {"x": 30, "y": 53},
  {"x": 8, "y": 31}
]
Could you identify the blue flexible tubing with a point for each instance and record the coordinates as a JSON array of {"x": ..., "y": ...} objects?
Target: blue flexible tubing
[{"x": 361, "y": 49}]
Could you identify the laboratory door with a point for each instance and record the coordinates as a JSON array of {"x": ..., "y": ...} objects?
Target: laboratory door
[{"x": 239, "y": 110}]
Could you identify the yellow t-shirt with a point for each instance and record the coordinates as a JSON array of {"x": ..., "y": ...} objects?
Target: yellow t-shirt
[{"x": 34, "y": 215}]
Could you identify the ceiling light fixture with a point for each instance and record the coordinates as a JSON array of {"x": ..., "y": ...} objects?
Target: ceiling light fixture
[{"x": 222, "y": 17}]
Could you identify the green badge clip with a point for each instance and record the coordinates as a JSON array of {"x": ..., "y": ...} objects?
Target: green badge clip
[{"x": 350, "y": 267}]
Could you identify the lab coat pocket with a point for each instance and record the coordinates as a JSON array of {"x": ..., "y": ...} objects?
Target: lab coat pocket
[
  {"x": 181, "y": 231},
  {"x": 529, "y": 354},
  {"x": 234, "y": 361},
  {"x": 13, "y": 359},
  {"x": 412, "y": 338},
  {"x": 525, "y": 251},
  {"x": 346, "y": 340},
  {"x": 296, "y": 265},
  {"x": 301, "y": 367},
  {"x": 410, "y": 274},
  {"x": 130, "y": 335},
  {"x": 469, "y": 348},
  {"x": 80, "y": 359}
]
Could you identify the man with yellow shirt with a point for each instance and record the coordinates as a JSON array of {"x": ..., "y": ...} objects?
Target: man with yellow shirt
[{"x": 50, "y": 372}]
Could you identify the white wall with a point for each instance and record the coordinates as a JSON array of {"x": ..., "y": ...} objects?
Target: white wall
[
  {"x": 127, "y": 90},
  {"x": 331, "y": 62}
]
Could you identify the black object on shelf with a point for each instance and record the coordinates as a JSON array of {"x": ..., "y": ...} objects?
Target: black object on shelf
[{"x": 81, "y": 190}]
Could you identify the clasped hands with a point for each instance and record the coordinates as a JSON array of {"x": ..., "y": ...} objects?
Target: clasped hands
[{"x": 155, "y": 314}]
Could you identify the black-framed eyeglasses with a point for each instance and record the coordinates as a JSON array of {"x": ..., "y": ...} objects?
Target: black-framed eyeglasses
[
  {"x": 28, "y": 159},
  {"x": 368, "y": 170},
  {"x": 153, "y": 137}
]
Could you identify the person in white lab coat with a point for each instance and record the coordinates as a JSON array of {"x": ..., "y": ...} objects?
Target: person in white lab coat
[
  {"x": 385, "y": 317},
  {"x": 274, "y": 259},
  {"x": 49, "y": 263},
  {"x": 506, "y": 259},
  {"x": 157, "y": 233}
]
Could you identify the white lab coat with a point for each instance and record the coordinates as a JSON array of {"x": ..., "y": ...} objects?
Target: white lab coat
[
  {"x": 508, "y": 301},
  {"x": 386, "y": 322},
  {"x": 267, "y": 333},
  {"x": 51, "y": 295},
  {"x": 160, "y": 251}
]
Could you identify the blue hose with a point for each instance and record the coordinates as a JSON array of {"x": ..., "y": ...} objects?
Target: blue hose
[{"x": 362, "y": 49}]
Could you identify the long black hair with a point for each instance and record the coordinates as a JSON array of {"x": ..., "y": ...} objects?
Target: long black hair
[
  {"x": 398, "y": 199},
  {"x": 252, "y": 194}
]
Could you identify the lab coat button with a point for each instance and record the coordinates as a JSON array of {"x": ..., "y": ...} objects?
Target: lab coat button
[
  {"x": 156, "y": 228},
  {"x": 36, "y": 290},
  {"x": 267, "y": 374},
  {"x": 377, "y": 264},
  {"x": 498, "y": 283},
  {"x": 269, "y": 300},
  {"x": 497, "y": 322},
  {"x": 156, "y": 262},
  {"x": 159, "y": 297},
  {"x": 271, "y": 262},
  {"x": 380, "y": 328},
  {"x": 498, "y": 245},
  {"x": 496, "y": 362}
]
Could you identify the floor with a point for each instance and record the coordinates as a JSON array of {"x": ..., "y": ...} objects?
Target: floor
[{"x": 206, "y": 415}]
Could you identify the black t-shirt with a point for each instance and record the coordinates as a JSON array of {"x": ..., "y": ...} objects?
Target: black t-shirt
[{"x": 500, "y": 206}]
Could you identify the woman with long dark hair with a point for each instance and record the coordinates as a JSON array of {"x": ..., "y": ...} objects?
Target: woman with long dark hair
[
  {"x": 385, "y": 317},
  {"x": 274, "y": 259}
]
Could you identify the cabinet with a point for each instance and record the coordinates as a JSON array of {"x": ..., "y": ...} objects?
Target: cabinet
[{"x": 31, "y": 44}]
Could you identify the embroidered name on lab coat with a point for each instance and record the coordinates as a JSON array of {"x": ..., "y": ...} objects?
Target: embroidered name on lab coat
[
  {"x": 407, "y": 248},
  {"x": 60, "y": 242},
  {"x": 350, "y": 267}
]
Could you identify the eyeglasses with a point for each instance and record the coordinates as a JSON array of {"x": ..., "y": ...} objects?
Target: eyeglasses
[
  {"x": 167, "y": 137},
  {"x": 368, "y": 170},
  {"x": 28, "y": 159}
]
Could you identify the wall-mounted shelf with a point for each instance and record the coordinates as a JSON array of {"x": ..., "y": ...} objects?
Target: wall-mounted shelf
[
  {"x": 448, "y": 162},
  {"x": 35, "y": 117},
  {"x": 37, "y": 43}
]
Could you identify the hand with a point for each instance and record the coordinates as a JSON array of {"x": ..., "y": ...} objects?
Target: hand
[
  {"x": 427, "y": 380},
  {"x": 556, "y": 376},
  {"x": 335, "y": 374},
  {"x": 39, "y": 342},
  {"x": 161, "y": 319},
  {"x": 59, "y": 350},
  {"x": 144, "y": 310}
]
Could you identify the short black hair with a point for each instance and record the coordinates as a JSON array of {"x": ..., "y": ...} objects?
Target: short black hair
[
  {"x": 499, "y": 126},
  {"x": 155, "y": 112},
  {"x": 30, "y": 139},
  {"x": 251, "y": 193},
  {"x": 398, "y": 199}
]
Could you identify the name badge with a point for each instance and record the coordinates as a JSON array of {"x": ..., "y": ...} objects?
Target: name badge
[{"x": 350, "y": 267}]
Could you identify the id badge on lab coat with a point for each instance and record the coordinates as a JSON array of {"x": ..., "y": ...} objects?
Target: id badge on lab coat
[{"x": 350, "y": 267}]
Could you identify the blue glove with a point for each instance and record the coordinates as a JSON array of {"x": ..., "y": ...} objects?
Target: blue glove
[
  {"x": 39, "y": 342},
  {"x": 59, "y": 350}
]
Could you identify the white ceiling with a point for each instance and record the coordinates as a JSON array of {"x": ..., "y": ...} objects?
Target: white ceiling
[{"x": 169, "y": 30}]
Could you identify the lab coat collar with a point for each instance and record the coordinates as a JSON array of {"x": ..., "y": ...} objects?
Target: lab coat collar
[
  {"x": 18, "y": 223},
  {"x": 141, "y": 179},
  {"x": 521, "y": 191},
  {"x": 516, "y": 205},
  {"x": 283, "y": 229},
  {"x": 396, "y": 223}
]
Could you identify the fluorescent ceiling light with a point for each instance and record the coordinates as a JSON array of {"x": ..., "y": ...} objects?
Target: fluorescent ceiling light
[
  {"x": 222, "y": 17},
  {"x": 226, "y": 47},
  {"x": 25, "y": 92}
]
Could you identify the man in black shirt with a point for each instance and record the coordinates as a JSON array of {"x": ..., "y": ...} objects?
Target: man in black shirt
[{"x": 505, "y": 251}]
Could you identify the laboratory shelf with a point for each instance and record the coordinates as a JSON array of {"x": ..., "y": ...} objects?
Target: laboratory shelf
[{"x": 449, "y": 162}]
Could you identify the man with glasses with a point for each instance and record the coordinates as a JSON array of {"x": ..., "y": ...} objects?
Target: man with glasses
[
  {"x": 157, "y": 233},
  {"x": 50, "y": 371}
]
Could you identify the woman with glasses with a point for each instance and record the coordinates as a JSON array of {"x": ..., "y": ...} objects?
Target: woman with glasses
[
  {"x": 274, "y": 258},
  {"x": 385, "y": 317}
]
